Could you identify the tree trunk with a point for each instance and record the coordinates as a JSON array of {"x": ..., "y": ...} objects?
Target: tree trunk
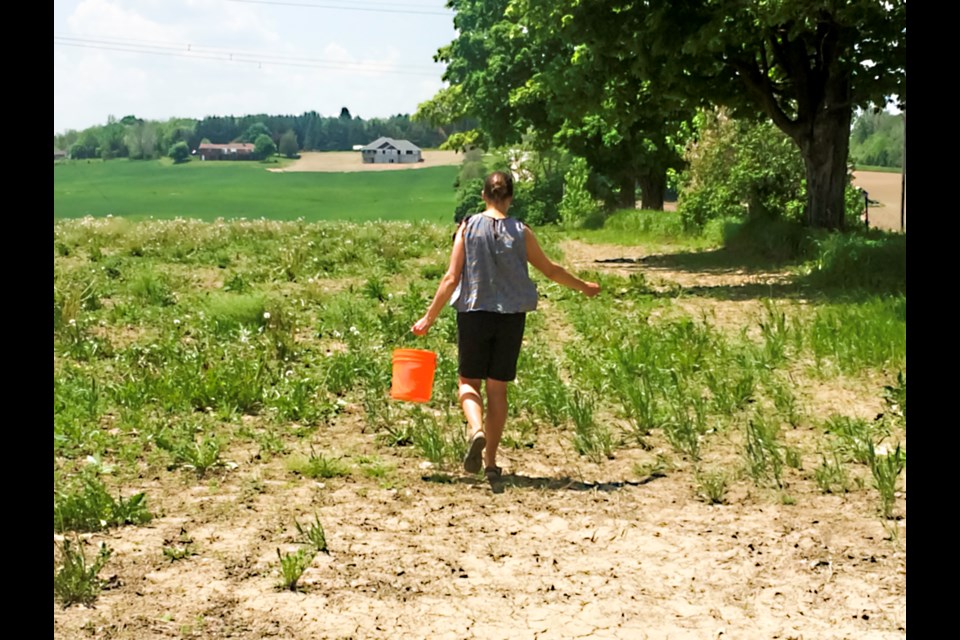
[
  {"x": 627, "y": 198},
  {"x": 824, "y": 148},
  {"x": 653, "y": 186}
]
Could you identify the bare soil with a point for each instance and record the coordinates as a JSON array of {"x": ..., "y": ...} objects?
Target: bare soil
[
  {"x": 884, "y": 190},
  {"x": 348, "y": 161},
  {"x": 561, "y": 548}
]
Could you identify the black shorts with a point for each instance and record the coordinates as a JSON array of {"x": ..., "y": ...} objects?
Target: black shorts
[{"x": 489, "y": 344}]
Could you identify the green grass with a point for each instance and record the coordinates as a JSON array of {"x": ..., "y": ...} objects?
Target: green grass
[
  {"x": 211, "y": 190},
  {"x": 630, "y": 227}
]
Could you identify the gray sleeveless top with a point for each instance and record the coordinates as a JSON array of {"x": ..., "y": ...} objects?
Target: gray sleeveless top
[{"x": 495, "y": 276}]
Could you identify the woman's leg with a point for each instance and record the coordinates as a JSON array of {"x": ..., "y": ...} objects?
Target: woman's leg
[
  {"x": 472, "y": 404},
  {"x": 496, "y": 418}
]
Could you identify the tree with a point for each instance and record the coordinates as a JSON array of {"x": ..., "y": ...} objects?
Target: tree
[
  {"x": 523, "y": 71},
  {"x": 263, "y": 147},
  {"x": 804, "y": 64},
  {"x": 288, "y": 144},
  {"x": 141, "y": 139},
  {"x": 254, "y": 131},
  {"x": 180, "y": 152},
  {"x": 877, "y": 138},
  {"x": 740, "y": 169}
]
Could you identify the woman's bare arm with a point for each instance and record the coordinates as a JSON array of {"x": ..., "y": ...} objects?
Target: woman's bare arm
[
  {"x": 448, "y": 285},
  {"x": 552, "y": 270}
]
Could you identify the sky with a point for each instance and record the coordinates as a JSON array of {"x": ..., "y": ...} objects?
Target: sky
[{"x": 161, "y": 59}]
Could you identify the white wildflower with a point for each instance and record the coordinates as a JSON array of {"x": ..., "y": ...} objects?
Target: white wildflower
[{"x": 266, "y": 315}]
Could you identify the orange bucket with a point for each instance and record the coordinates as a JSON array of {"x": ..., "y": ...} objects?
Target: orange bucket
[{"x": 413, "y": 371}]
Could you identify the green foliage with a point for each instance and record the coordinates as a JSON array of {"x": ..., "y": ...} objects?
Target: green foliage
[
  {"x": 77, "y": 580},
  {"x": 319, "y": 466},
  {"x": 188, "y": 446},
  {"x": 578, "y": 207},
  {"x": 180, "y": 152},
  {"x": 712, "y": 486},
  {"x": 590, "y": 438},
  {"x": 288, "y": 144},
  {"x": 831, "y": 475},
  {"x": 856, "y": 438},
  {"x": 872, "y": 262},
  {"x": 315, "y": 537},
  {"x": 848, "y": 337},
  {"x": 764, "y": 451},
  {"x": 740, "y": 169},
  {"x": 292, "y": 566},
  {"x": 84, "y": 504},
  {"x": 230, "y": 312},
  {"x": 264, "y": 147},
  {"x": 886, "y": 467},
  {"x": 877, "y": 138}
]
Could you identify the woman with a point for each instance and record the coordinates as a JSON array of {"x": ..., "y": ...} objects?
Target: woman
[{"x": 489, "y": 264}]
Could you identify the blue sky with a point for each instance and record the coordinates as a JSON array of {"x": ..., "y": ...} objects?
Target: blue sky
[{"x": 158, "y": 59}]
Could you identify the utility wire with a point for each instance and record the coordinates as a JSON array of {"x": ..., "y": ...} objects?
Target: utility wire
[
  {"x": 354, "y": 7},
  {"x": 208, "y": 53}
]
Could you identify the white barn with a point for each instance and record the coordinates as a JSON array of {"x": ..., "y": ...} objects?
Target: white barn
[{"x": 389, "y": 151}]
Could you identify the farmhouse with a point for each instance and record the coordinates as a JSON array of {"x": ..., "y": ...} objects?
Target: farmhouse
[
  {"x": 388, "y": 151},
  {"x": 59, "y": 154},
  {"x": 232, "y": 151}
]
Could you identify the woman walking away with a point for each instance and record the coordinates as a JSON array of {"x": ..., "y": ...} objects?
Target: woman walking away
[{"x": 489, "y": 264}]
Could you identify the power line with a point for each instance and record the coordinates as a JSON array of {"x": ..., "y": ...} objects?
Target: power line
[
  {"x": 347, "y": 8},
  {"x": 188, "y": 50}
]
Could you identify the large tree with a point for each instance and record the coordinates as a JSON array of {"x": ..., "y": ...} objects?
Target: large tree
[
  {"x": 805, "y": 64},
  {"x": 523, "y": 73}
]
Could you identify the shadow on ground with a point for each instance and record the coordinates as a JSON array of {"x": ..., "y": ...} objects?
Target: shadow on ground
[{"x": 498, "y": 485}]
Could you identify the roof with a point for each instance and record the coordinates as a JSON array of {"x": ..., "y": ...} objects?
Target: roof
[
  {"x": 240, "y": 146},
  {"x": 385, "y": 142}
]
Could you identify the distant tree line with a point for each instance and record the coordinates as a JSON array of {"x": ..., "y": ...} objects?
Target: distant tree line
[
  {"x": 135, "y": 138},
  {"x": 877, "y": 138}
]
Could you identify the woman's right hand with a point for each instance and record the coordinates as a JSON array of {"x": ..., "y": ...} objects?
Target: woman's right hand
[{"x": 421, "y": 326}]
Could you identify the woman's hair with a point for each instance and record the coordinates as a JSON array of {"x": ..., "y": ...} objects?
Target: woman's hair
[{"x": 498, "y": 186}]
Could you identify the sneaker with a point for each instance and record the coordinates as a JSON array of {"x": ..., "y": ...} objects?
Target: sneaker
[{"x": 473, "y": 461}]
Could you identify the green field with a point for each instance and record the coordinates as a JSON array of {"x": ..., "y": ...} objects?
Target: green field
[{"x": 211, "y": 190}]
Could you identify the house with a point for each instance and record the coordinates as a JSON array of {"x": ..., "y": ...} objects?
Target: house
[
  {"x": 389, "y": 151},
  {"x": 231, "y": 151},
  {"x": 59, "y": 154}
]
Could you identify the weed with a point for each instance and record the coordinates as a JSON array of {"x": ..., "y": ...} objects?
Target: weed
[
  {"x": 319, "y": 466},
  {"x": 886, "y": 466},
  {"x": 432, "y": 441},
  {"x": 895, "y": 397},
  {"x": 712, "y": 487},
  {"x": 191, "y": 448},
  {"x": 520, "y": 434},
  {"x": 856, "y": 437},
  {"x": 315, "y": 536},
  {"x": 589, "y": 438},
  {"x": 77, "y": 580},
  {"x": 85, "y": 505},
  {"x": 831, "y": 475},
  {"x": 793, "y": 458},
  {"x": 764, "y": 452},
  {"x": 292, "y": 566}
]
